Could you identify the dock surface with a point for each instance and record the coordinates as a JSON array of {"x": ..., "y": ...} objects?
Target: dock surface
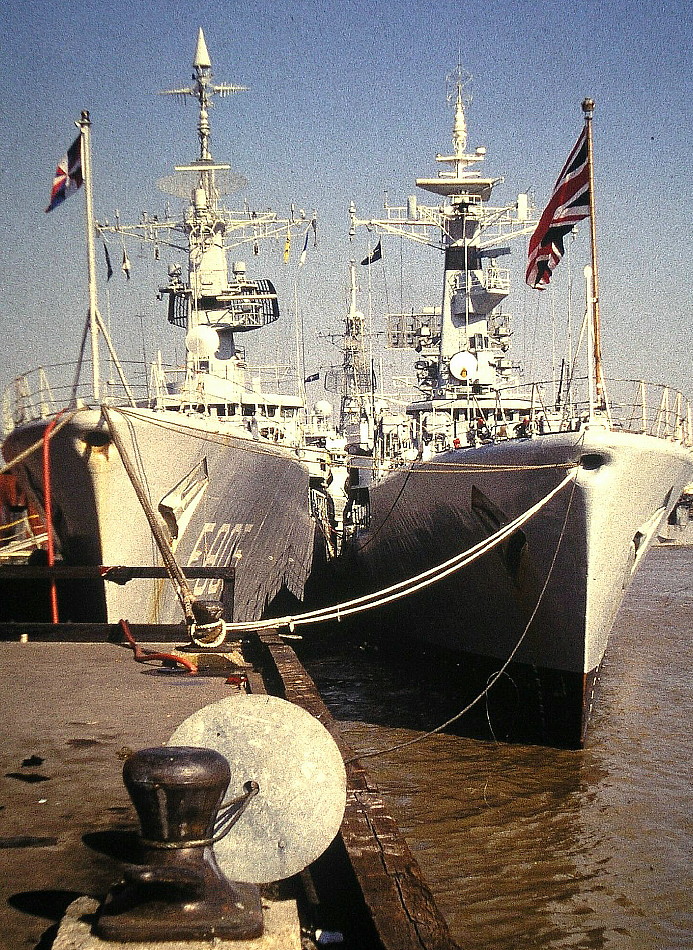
[{"x": 73, "y": 711}]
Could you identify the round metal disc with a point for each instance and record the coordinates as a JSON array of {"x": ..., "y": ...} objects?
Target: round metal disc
[{"x": 299, "y": 769}]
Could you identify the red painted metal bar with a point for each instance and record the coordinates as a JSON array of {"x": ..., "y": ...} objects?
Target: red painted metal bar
[{"x": 48, "y": 508}]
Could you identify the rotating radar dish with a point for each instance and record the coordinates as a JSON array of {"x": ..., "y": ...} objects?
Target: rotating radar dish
[
  {"x": 183, "y": 182},
  {"x": 302, "y": 783}
]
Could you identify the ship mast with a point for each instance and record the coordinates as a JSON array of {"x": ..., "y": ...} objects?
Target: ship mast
[
  {"x": 355, "y": 373},
  {"x": 94, "y": 324},
  {"x": 211, "y": 304},
  {"x": 204, "y": 90},
  {"x": 469, "y": 231}
]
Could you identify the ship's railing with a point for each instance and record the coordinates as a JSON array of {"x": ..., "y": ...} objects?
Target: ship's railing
[
  {"x": 41, "y": 392},
  {"x": 274, "y": 377},
  {"x": 532, "y": 409},
  {"x": 629, "y": 405},
  {"x": 493, "y": 279}
]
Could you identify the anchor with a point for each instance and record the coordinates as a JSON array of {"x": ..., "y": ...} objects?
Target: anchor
[{"x": 180, "y": 893}]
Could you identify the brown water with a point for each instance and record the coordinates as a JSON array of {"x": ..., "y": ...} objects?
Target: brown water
[{"x": 531, "y": 847}]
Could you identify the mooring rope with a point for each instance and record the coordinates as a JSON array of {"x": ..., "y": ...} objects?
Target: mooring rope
[
  {"x": 496, "y": 676},
  {"x": 351, "y": 607},
  {"x": 454, "y": 468},
  {"x": 336, "y": 612},
  {"x": 410, "y": 585}
]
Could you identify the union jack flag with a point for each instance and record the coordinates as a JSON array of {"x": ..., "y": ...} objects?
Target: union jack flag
[
  {"x": 569, "y": 203},
  {"x": 68, "y": 175}
]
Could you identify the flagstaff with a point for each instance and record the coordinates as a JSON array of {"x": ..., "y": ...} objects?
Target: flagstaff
[
  {"x": 588, "y": 110},
  {"x": 84, "y": 126}
]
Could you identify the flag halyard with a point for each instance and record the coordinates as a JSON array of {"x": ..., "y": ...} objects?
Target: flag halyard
[
  {"x": 569, "y": 203},
  {"x": 68, "y": 175}
]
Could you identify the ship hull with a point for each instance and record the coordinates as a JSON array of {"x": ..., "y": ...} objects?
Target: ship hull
[
  {"x": 547, "y": 597},
  {"x": 225, "y": 501}
]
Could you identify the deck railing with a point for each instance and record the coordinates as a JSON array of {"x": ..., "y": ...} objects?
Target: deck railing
[
  {"x": 42, "y": 392},
  {"x": 630, "y": 405}
]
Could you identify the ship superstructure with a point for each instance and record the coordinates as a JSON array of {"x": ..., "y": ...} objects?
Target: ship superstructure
[{"x": 216, "y": 301}]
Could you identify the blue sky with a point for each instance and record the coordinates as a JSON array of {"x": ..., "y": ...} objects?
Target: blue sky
[{"x": 346, "y": 101}]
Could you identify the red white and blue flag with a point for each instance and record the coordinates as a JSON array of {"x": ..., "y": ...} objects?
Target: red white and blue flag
[
  {"x": 68, "y": 175},
  {"x": 569, "y": 203}
]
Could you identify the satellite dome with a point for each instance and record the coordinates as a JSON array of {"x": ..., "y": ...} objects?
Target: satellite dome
[
  {"x": 463, "y": 365},
  {"x": 323, "y": 409},
  {"x": 202, "y": 341}
]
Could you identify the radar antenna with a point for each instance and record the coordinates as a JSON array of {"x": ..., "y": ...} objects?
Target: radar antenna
[
  {"x": 457, "y": 83},
  {"x": 203, "y": 90}
]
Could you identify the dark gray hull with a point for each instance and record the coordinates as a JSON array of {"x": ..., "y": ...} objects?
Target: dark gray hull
[{"x": 547, "y": 597}]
